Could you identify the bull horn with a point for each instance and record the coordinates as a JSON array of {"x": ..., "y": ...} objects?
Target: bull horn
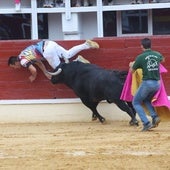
[{"x": 55, "y": 73}]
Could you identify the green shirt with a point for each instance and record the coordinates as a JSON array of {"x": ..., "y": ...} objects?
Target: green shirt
[{"x": 149, "y": 62}]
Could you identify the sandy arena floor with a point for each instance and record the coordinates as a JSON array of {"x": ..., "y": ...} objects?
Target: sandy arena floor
[{"x": 84, "y": 146}]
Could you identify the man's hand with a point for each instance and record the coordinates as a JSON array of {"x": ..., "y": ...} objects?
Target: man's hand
[
  {"x": 33, "y": 72},
  {"x": 42, "y": 67},
  {"x": 48, "y": 75},
  {"x": 131, "y": 66},
  {"x": 32, "y": 78},
  {"x": 66, "y": 60}
]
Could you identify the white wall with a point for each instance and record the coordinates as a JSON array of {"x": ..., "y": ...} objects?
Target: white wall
[
  {"x": 68, "y": 111},
  {"x": 89, "y": 25},
  {"x": 86, "y": 24},
  {"x": 55, "y": 26},
  {"x": 72, "y": 27}
]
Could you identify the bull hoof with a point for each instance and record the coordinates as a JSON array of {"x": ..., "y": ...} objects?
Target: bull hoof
[
  {"x": 103, "y": 120},
  {"x": 134, "y": 123},
  {"x": 94, "y": 118}
]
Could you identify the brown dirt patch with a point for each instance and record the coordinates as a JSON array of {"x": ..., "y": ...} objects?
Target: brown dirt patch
[{"x": 84, "y": 146}]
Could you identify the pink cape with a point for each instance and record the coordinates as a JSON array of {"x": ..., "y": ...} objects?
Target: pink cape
[{"x": 160, "y": 98}]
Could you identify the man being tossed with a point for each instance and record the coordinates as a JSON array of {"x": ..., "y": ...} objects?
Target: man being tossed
[{"x": 49, "y": 51}]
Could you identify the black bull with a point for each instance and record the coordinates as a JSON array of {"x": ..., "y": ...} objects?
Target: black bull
[{"x": 92, "y": 84}]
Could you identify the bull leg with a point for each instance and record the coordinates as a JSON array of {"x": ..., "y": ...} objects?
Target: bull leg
[
  {"x": 133, "y": 110},
  {"x": 92, "y": 106},
  {"x": 126, "y": 108},
  {"x": 94, "y": 117},
  {"x": 131, "y": 106}
]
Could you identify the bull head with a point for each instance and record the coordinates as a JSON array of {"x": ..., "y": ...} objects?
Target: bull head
[{"x": 55, "y": 73}]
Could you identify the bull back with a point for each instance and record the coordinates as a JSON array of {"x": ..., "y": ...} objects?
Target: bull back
[{"x": 91, "y": 81}]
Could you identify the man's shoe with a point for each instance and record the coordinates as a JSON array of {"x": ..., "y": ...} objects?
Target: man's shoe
[
  {"x": 133, "y": 2},
  {"x": 48, "y": 5},
  {"x": 92, "y": 44},
  {"x": 154, "y": 1},
  {"x": 139, "y": 2},
  {"x": 155, "y": 122},
  {"x": 147, "y": 127},
  {"x": 82, "y": 59}
]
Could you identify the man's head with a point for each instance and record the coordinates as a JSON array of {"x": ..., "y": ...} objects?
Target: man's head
[
  {"x": 14, "y": 62},
  {"x": 146, "y": 43}
]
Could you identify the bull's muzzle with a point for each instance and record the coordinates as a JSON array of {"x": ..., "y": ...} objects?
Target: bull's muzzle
[{"x": 55, "y": 73}]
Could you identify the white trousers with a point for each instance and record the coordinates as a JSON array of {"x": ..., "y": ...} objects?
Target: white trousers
[{"x": 53, "y": 52}]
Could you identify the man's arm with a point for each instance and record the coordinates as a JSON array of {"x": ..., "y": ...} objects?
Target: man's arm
[
  {"x": 33, "y": 71},
  {"x": 43, "y": 69}
]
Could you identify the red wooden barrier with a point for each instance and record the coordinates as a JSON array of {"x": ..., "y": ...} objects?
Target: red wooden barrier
[{"x": 114, "y": 53}]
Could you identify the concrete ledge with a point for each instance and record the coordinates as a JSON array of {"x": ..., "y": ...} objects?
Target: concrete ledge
[
  {"x": 55, "y": 110},
  {"x": 61, "y": 110},
  {"x": 43, "y": 101},
  {"x": 40, "y": 101}
]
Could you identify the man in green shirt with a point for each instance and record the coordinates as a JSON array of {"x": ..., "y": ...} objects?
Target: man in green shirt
[{"x": 148, "y": 61}]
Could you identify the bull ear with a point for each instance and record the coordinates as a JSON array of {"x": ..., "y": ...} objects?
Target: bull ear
[{"x": 55, "y": 73}]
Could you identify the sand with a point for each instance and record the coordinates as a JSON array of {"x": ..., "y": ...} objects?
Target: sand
[{"x": 83, "y": 146}]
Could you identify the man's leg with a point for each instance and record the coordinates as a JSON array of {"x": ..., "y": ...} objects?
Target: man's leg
[
  {"x": 85, "y": 46},
  {"x": 138, "y": 99}
]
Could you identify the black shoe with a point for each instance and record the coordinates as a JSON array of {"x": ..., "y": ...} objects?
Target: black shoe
[
  {"x": 155, "y": 122},
  {"x": 147, "y": 127}
]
